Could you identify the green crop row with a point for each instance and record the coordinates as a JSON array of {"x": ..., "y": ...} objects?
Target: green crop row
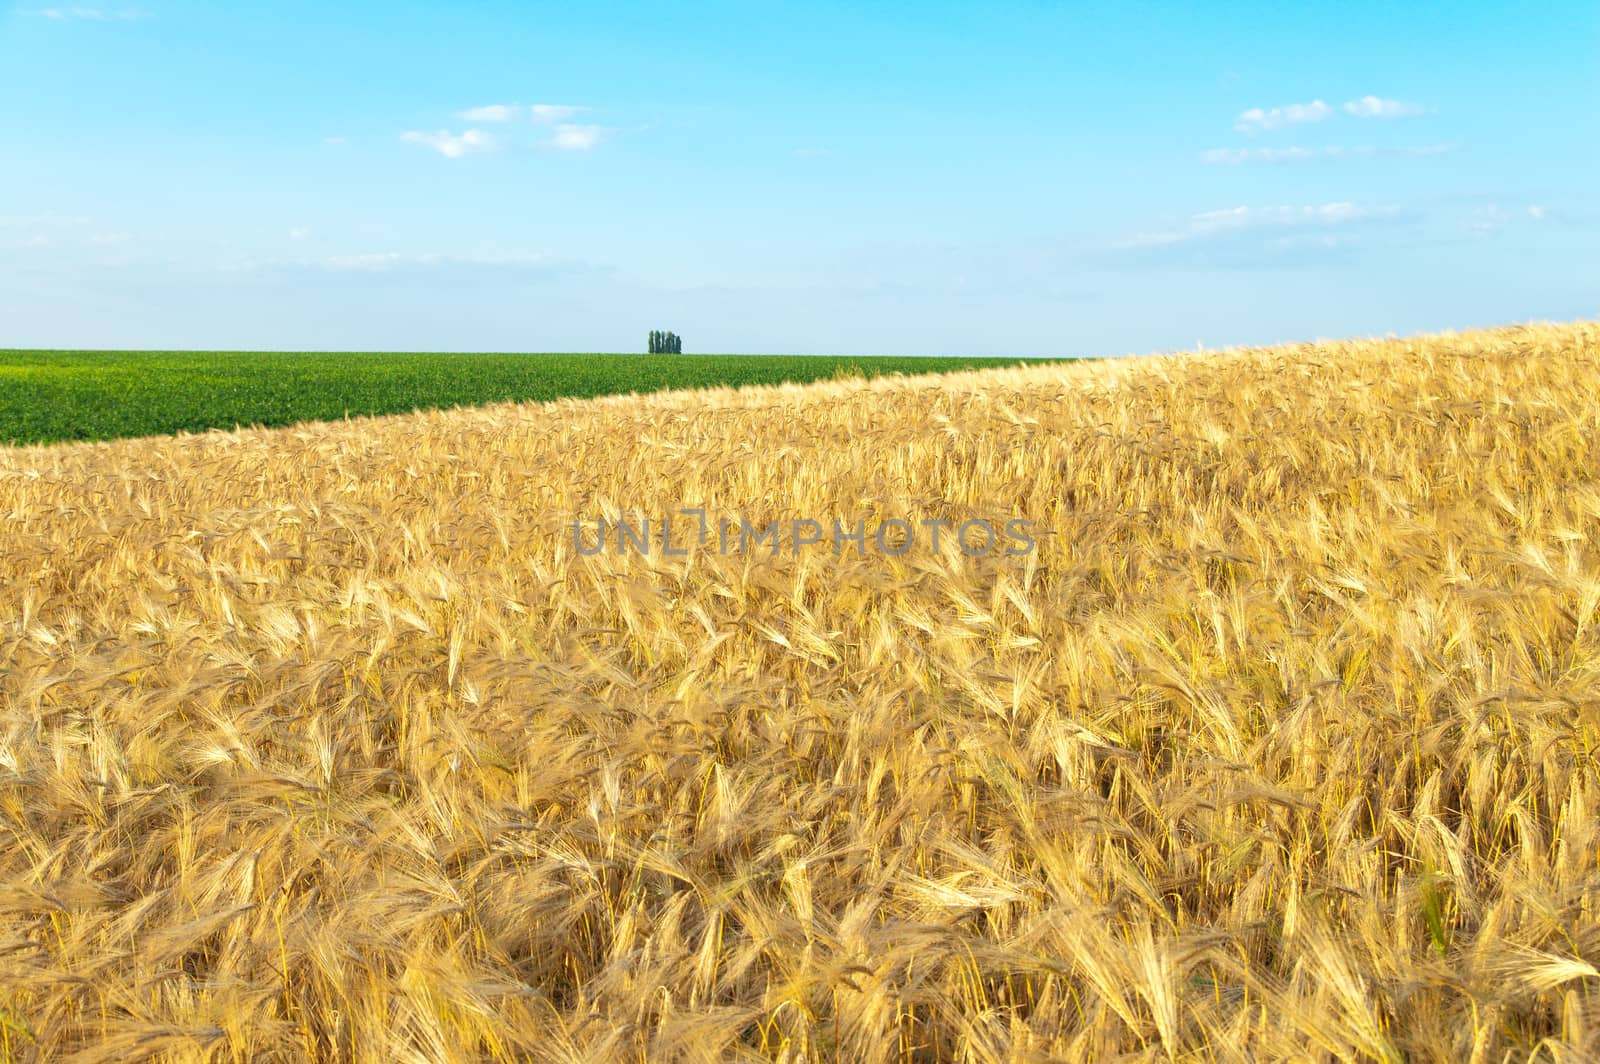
[{"x": 49, "y": 396}]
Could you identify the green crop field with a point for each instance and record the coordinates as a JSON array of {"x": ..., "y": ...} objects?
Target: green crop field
[{"x": 47, "y": 396}]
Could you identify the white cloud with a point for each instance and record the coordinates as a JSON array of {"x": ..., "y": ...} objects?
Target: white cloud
[
  {"x": 1258, "y": 119},
  {"x": 450, "y": 145},
  {"x": 60, "y": 230},
  {"x": 378, "y": 262},
  {"x": 1298, "y": 241},
  {"x": 1492, "y": 218},
  {"x": 494, "y": 112},
  {"x": 547, "y": 114},
  {"x": 299, "y": 232},
  {"x": 89, "y": 14},
  {"x": 562, "y": 135},
  {"x": 371, "y": 261},
  {"x": 1376, "y": 107},
  {"x": 1241, "y": 217},
  {"x": 48, "y": 219},
  {"x": 575, "y": 138},
  {"x": 1208, "y": 224},
  {"x": 1236, "y": 156},
  {"x": 1240, "y": 156}
]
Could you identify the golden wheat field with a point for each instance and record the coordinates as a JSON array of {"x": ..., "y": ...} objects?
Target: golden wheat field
[{"x": 330, "y": 743}]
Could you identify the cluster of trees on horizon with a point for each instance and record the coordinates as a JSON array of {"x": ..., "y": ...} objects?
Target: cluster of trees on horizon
[{"x": 665, "y": 343}]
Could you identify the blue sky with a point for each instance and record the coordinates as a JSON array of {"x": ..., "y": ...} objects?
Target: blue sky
[{"x": 995, "y": 179}]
